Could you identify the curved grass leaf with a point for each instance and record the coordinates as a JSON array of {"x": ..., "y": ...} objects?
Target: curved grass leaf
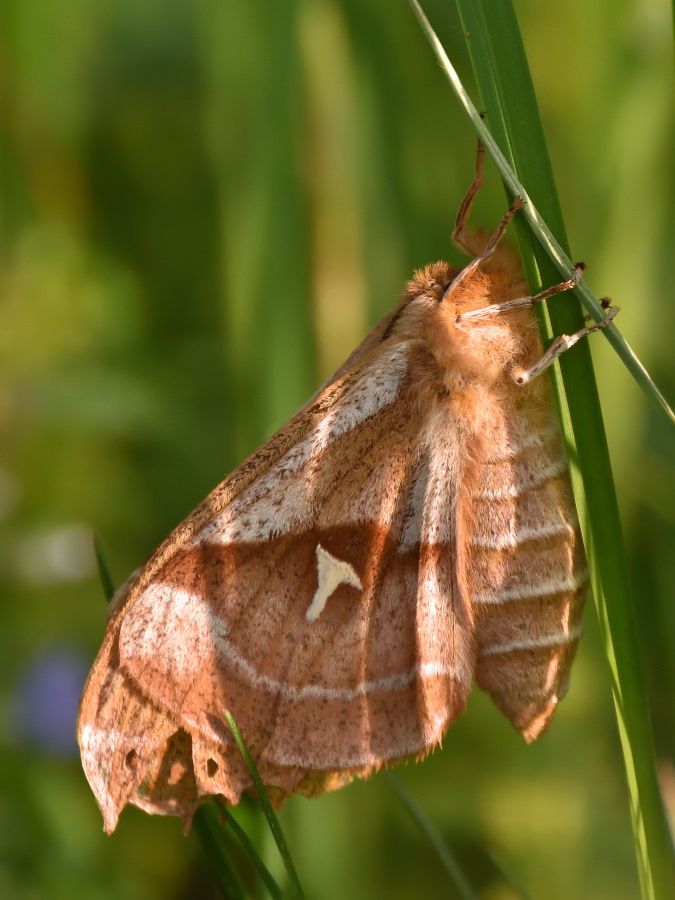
[{"x": 508, "y": 97}]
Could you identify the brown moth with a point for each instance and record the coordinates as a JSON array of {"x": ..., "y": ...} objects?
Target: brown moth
[{"x": 410, "y": 531}]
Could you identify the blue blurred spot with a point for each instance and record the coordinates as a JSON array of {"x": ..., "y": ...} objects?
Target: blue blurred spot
[{"x": 46, "y": 698}]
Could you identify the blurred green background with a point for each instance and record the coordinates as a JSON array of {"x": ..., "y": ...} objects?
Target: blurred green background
[{"x": 204, "y": 204}]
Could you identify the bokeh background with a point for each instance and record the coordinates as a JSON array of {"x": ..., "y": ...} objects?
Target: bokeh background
[{"x": 204, "y": 204}]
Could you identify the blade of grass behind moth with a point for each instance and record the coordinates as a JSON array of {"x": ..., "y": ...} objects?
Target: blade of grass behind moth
[
  {"x": 507, "y": 876},
  {"x": 441, "y": 848},
  {"x": 431, "y": 833},
  {"x": 103, "y": 572},
  {"x": 479, "y": 49},
  {"x": 504, "y": 82},
  {"x": 272, "y": 820},
  {"x": 246, "y": 842},
  {"x": 207, "y": 826}
]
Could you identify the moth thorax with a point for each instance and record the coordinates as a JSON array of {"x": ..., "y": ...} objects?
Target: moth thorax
[
  {"x": 494, "y": 344},
  {"x": 484, "y": 350}
]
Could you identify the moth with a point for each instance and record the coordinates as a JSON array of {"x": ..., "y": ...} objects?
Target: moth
[{"x": 409, "y": 532}]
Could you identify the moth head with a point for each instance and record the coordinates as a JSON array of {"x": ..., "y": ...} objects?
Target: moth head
[
  {"x": 422, "y": 299},
  {"x": 431, "y": 283},
  {"x": 484, "y": 348}
]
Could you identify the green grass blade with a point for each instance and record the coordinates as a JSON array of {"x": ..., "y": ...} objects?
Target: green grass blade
[
  {"x": 103, "y": 572},
  {"x": 504, "y": 82},
  {"x": 508, "y": 877},
  {"x": 435, "y": 839},
  {"x": 246, "y": 842},
  {"x": 449, "y": 862},
  {"x": 206, "y": 826},
  {"x": 272, "y": 820},
  {"x": 538, "y": 223}
]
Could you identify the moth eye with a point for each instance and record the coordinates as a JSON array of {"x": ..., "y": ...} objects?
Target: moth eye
[
  {"x": 131, "y": 760},
  {"x": 211, "y": 768},
  {"x": 444, "y": 285}
]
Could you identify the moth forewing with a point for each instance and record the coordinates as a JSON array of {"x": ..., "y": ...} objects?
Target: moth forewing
[{"x": 409, "y": 531}]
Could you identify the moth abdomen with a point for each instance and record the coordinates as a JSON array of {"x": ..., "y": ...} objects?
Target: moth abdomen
[{"x": 527, "y": 573}]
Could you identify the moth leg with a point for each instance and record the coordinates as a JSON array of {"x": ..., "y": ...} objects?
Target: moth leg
[
  {"x": 523, "y": 302},
  {"x": 559, "y": 346},
  {"x": 468, "y": 242},
  {"x": 464, "y": 210}
]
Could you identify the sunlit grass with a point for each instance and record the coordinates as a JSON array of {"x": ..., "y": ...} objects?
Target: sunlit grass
[
  {"x": 511, "y": 111},
  {"x": 203, "y": 209}
]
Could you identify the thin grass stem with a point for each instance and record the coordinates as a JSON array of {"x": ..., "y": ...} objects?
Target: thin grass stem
[
  {"x": 272, "y": 820},
  {"x": 206, "y": 826},
  {"x": 449, "y": 862},
  {"x": 268, "y": 879},
  {"x": 503, "y": 79},
  {"x": 103, "y": 571},
  {"x": 539, "y": 227}
]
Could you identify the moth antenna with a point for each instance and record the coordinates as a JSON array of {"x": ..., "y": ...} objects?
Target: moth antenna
[
  {"x": 525, "y": 302},
  {"x": 559, "y": 346},
  {"x": 490, "y": 247}
]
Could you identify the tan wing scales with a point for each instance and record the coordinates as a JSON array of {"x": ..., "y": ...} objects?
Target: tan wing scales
[
  {"x": 409, "y": 530},
  {"x": 378, "y": 675}
]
